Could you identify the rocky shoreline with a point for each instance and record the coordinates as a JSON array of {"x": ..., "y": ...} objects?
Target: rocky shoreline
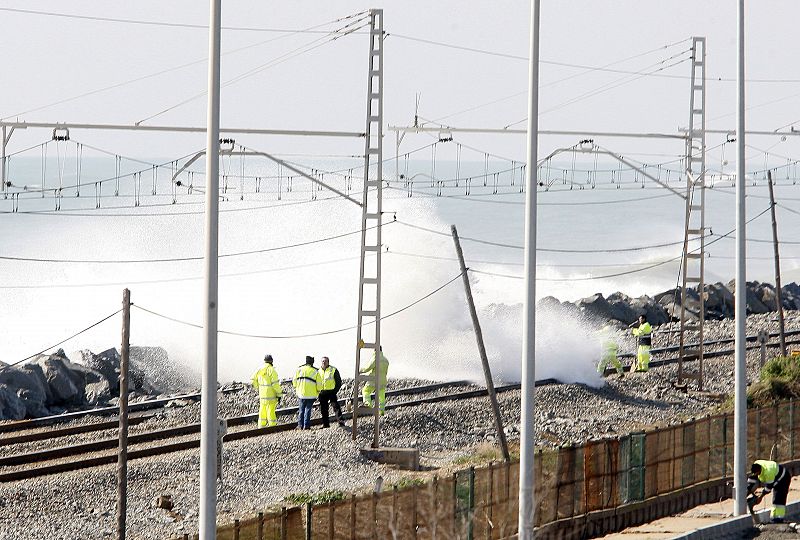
[
  {"x": 53, "y": 384},
  {"x": 665, "y": 306}
]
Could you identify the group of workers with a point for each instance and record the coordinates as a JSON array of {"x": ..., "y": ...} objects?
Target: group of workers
[
  {"x": 312, "y": 384},
  {"x": 640, "y": 329},
  {"x": 769, "y": 475}
]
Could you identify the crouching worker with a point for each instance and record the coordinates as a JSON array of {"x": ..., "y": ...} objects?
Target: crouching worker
[{"x": 771, "y": 476}]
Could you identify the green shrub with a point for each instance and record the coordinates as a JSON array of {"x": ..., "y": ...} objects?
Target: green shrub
[
  {"x": 781, "y": 367},
  {"x": 409, "y": 481},
  {"x": 780, "y": 380},
  {"x": 322, "y": 497}
]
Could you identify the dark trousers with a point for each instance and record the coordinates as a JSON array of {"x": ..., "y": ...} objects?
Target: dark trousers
[
  {"x": 781, "y": 490},
  {"x": 326, "y": 397}
]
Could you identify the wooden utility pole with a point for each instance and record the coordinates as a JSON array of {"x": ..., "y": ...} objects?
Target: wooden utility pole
[
  {"x": 778, "y": 294},
  {"x": 487, "y": 372},
  {"x": 122, "y": 459}
]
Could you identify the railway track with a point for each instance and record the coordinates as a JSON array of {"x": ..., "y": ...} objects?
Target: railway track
[{"x": 164, "y": 441}]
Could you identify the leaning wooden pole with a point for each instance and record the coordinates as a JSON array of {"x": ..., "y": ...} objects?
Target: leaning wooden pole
[
  {"x": 122, "y": 459},
  {"x": 487, "y": 372},
  {"x": 778, "y": 293}
]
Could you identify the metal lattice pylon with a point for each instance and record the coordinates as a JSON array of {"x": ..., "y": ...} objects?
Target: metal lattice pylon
[
  {"x": 369, "y": 282},
  {"x": 694, "y": 244}
]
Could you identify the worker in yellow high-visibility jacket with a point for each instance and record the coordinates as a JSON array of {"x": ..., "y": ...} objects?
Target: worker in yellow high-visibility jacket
[
  {"x": 642, "y": 330},
  {"x": 608, "y": 352},
  {"x": 328, "y": 398},
  {"x": 774, "y": 477},
  {"x": 268, "y": 384},
  {"x": 369, "y": 387},
  {"x": 307, "y": 384}
]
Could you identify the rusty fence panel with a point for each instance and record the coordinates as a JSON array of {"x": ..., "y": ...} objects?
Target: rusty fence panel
[
  {"x": 284, "y": 525},
  {"x": 565, "y": 493},
  {"x": 702, "y": 449},
  {"x": 570, "y": 482}
]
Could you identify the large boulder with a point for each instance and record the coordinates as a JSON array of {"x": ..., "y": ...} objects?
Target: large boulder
[
  {"x": 621, "y": 309},
  {"x": 595, "y": 307},
  {"x": 26, "y": 383},
  {"x": 155, "y": 373},
  {"x": 107, "y": 364},
  {"x": 654, "y": 312},
  {"x": 791, "y": 296},
  {"x": 59, "y": 379},
  {"x": 11, "y": 406},
  {"x": 754, "y": 303},
  {"x": 766, "y": 294},
  {"x": 718, "y": 301},
  {"x": 92, "y": 385}
]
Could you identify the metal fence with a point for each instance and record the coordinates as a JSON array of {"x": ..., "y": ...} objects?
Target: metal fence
[{"x": 608, "y": 484}]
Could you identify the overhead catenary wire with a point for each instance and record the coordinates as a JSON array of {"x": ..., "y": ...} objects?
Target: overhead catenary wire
[
  {"x": 189, "y": 258},
  {"x": 573, "y": 76},
  {"x": 170, "y": 24},
  {"x": 104, "y": 319},
  {"x": 298, "y": 336},
  {"x": 628, "y": 272},
  {"x": 546, "y": 250},
  {"x": 330, "y": 37},
  {"x": 311, "y": 29}
]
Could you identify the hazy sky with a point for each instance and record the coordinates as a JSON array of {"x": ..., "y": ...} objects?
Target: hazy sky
[
  {"x": 304, "y": 80},
  {"x": 49, "y": 58}
]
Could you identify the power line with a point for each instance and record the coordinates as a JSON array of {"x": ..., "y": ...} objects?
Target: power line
[
  {"x": 618, "y": 274},
  {"x": 551, "y": 83},
  {"x": 579, "y": 66},
  {"x": 586, "y": 278},
  {"x": 507, "y": 263},
  {"x": 182, "y": 259},
  {"x": 297, "y": 336},
  {"x": 166, "y": 23},
  {"x": 176, "y": 279},
  {"x": 104, "y": 319},
  {"x": 330, "y": 37},
  {"x": 548, "y": 250},
  {"x": 167, "y": 70}
]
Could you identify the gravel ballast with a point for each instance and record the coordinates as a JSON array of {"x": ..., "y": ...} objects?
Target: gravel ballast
[{"x": 260, "y": 472}]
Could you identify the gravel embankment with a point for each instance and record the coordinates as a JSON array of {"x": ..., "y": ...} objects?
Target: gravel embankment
[{"x": 260, "y": 472}]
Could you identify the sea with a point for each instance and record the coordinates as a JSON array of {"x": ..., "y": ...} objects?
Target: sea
[{"x": 78, "y": 228}]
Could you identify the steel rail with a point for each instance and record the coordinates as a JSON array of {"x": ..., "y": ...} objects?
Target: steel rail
[
  {"x": 154, "y": 435},
  {"x": 109, "y": 458},
  {"x": 74, "y": 430}
]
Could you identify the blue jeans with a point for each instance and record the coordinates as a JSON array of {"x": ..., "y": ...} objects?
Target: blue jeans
[{"x": 304, "y": 413}]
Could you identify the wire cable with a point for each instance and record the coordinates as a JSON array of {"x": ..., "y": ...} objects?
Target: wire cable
[
  {"x": 104, "y": 319},
  {"x": 193, "y": 258},
  {"x": 592, "y": 278},
  {"x": 330, "y": 37},
  {"x": 548, "y": 250},
  {"x": 564, "y": 79},
  {"x": 177, "y": 279},
  {"x": 297, "y": 336},
  {"x": 311, "y": 29}
]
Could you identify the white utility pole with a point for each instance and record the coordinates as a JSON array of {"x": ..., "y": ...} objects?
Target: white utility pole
[
  {"x": 208, "y": 403},
  {"x": 740, "y": 370},
  {"x": 528, "y": 379}
]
